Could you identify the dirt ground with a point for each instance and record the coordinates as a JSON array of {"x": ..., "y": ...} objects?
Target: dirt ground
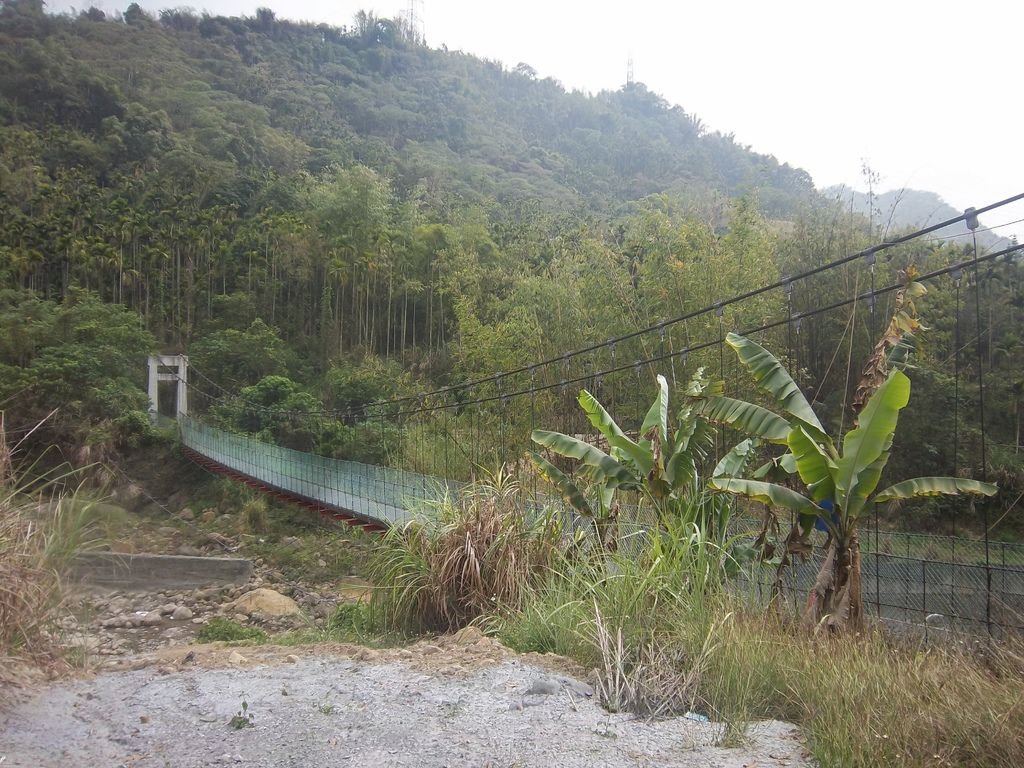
[{"x": 462, "y": 700}]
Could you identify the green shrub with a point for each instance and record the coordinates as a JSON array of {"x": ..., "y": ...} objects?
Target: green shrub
[{"x": 221, "y": 629}]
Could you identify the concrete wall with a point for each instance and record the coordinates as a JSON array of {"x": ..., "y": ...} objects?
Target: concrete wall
[{"x": 148, "y": 572}]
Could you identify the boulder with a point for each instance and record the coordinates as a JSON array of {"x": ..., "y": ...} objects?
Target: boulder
[
  {"x": 265, "y": 601},
  {"x": 181, "y": 613}
]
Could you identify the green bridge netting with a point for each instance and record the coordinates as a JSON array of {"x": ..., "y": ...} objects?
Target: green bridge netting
[{"x": 375, "y": 493}]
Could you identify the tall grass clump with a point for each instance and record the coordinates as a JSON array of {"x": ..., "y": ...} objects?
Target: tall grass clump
[
  {"x": 645, "y": 621},
  {"x": 473, "y": 553},
  {"x": 40, "y": 530}
]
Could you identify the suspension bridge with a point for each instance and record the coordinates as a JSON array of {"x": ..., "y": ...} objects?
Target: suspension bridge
[{"x": 428, "y": 443}]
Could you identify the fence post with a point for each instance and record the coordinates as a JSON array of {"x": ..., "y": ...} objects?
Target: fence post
[
  {"x": 878, "y": 567},
  {"x": 924, "y": 593}
]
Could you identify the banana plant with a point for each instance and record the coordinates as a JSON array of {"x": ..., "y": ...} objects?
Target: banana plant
[
  {"x": 661, "y": 465},
  {"x": 840, "y": 481}
]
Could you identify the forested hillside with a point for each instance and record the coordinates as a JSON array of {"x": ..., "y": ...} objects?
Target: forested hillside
[
  {"x": 323, "y": 217},
  {"x": 349, "y": 190}
]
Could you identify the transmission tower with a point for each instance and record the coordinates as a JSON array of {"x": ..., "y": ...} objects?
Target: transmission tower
[
  {"x": 629, "y": 71},
  {"x": 414, "y": 17}
]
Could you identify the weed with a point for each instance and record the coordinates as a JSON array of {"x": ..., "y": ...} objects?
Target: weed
[
  {"x": 41, "y": 529},
  {"x": 474, "y": 553},
  {"x": 351, "y": 621},
  {"x": 219, "y": 628},
  {"x": 243, "y": 718},
  {"x": 254, "y": 517}
]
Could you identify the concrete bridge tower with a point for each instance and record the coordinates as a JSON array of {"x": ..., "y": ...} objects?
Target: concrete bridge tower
[{"x": 168, "y": 368}]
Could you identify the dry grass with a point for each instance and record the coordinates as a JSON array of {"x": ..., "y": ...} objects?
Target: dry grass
[
  {"x": 39, "y": 531},
  {"x": 472, "y": 555},
  {"x": 29, "y": 587},
  {"x": 653, "y": 678},
  {"x": 872, "y": 700}
]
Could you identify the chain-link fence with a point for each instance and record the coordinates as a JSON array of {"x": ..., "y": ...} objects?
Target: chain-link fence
[{"x": 940, "y": 582}]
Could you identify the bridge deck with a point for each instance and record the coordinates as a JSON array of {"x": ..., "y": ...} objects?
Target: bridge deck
[{"x": 374, "y": 496}]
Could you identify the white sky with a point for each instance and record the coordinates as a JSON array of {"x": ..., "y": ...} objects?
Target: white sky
[{"x": 927, "y": 92}]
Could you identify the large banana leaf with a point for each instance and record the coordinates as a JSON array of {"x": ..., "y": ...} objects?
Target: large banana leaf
[
  {"x": 604, "y": 466},
  {"x": 865, "y": 449},
  {"x": 598, "y": 416},
  {"x": 735, "y": 461},
  {"x": 773, "y": 379},
  {"x": 813, "y": 463},
  {"x": 691, "y": 438},
  {"x": 746, "y": 417},
  {"x": 565, "y": 486},
  {"x": 657, "y": 415},
  {"x": 605, "y": 424},
  {"x": 869, "y": 478},
  {"x": 935, "y": 486},
  {"x": 767, "y": 493},
  {"x": 687, "y": 425}
]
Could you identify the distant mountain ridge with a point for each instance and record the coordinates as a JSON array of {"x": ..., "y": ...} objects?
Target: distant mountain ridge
[{"x": 900, "y": 209}]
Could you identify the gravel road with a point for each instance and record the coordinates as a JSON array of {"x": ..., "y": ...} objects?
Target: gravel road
[{"x": 326, "y": 709}]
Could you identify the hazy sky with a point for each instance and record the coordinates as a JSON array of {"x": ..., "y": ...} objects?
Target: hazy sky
[{"x": 927, "y": 92}]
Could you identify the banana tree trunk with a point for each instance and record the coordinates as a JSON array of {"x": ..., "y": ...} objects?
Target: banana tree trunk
[{"x": 836, "y": 601}]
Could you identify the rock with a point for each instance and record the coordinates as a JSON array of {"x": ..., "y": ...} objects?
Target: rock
[
  {"x": 129, "y": 495},
  {"x": 291, "y": 658},
  {"x": 115, "y": 622},
  {"x": 168, "y": 609},
  {"x": 182, "y": 613},
  {"x": 543, "y": 687},
  {"x": 267, "y": 602},
  {"x": 208, "y": 516},
  {"x": 291, "y": 542},
  {"x": 241, "y": 618},
  {"x": 321, "y": 563},
  {"x": 367, "y": 654},
  {"x": 186, "y": 514},
  {"x": 177, "y": 499},
  {"x": 237, "y": 658},
  {"x": 405, "y": 653},
  {"x": 429, "y": 650},
  {"x": 189, "y": 551},
  {"x": 86, "y": 643},
  {"x": 578, "y": 688},
  {"x": 468, "y": 636},
  {"x": 151, "y": 619}
]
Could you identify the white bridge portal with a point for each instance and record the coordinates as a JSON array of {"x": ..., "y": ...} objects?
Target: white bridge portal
[{"x": 168, "y": 368}]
